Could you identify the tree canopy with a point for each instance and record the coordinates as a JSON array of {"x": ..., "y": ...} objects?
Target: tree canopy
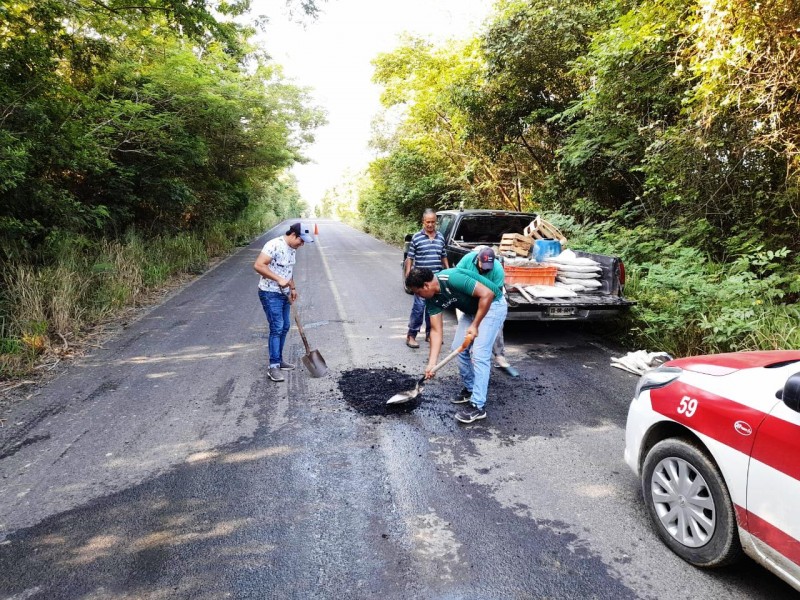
[
  {"x": 156, "y": 114},
  {"x": 679, "y": 116}
]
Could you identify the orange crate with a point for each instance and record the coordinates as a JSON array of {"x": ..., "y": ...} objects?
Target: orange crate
[{"x": 544, "y": 275}]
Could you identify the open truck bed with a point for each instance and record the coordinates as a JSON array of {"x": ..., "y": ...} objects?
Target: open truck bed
[{"x": 463, "y": 230}]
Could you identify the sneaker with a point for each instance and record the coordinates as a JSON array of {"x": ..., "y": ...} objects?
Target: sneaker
[
  {"x": 470, "y": 414},
  {"x": 275, "y": 374},
  {"x": 286, "y": 366},
  {"x": 463, "y": 397}
]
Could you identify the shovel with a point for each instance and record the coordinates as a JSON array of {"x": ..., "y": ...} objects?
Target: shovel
[
  {"x": 411, "y": 394},
  {"x": 313, "y": 360}
]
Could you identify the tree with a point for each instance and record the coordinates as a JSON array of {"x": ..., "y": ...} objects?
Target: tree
[{"x": 130, "y": 120}]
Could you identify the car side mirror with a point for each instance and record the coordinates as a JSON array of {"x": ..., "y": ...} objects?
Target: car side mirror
[{"x": 791, "y": 392}]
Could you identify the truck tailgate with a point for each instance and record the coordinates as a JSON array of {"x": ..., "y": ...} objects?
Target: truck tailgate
[{"x": 582, "y": 306}]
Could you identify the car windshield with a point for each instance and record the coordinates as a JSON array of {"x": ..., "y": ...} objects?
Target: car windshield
[{"x": 489, "y": 229}]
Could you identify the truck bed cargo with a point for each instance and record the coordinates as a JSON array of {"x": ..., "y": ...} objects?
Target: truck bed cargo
[{"x": 464, "y": 230}]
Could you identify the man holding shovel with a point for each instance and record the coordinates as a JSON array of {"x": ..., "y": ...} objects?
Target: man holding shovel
[
  {"x": 484, "y": 309},
  {"x": 276, "y": 290}
]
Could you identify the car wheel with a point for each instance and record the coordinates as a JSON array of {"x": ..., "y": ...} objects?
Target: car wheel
[{"x": 689, "y": 504}]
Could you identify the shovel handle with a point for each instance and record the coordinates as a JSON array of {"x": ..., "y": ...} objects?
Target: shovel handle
[
  {"x": 522, "y": 291},
  {"x": 302, "y": 333},
  {"x": 465, "y": 344}
]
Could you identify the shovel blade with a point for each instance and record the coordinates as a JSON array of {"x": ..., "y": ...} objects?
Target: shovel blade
[
  {"x": 403, "y": 397},
  {"x": 315, "y": 364},
  {"x": 406, "y": 396}
]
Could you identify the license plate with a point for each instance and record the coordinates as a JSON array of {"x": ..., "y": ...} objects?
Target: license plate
[{"x": 560, "y": 311}]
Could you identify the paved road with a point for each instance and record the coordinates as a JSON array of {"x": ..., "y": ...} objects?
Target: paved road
[{"x": 166, "y": 465}]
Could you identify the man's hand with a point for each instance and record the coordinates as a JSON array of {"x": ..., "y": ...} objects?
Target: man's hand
[{"x": 293, "y": 295}]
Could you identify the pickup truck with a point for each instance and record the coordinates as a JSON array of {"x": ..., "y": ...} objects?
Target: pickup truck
[{"x": 464, "y": 230}]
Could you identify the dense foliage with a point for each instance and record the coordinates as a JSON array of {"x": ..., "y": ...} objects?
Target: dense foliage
[
  {"x": 139, "y": 121},
  {"x": 158, "y": 117},
  {"x": 663, "y": 131}
]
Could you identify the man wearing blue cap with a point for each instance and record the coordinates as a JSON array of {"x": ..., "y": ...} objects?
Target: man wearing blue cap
[
  {"x": 483, "y": 260},
  {"x": 277, "y": 292}
]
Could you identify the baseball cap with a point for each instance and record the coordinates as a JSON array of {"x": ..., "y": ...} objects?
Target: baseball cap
[
  {"x": 485, "y": 259},
  {"x": 303, "y": 231}
]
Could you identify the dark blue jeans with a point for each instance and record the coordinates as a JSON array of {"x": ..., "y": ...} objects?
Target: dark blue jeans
[
  {"x": 418, "y": 312},
  {"x": 278, "y": 310}
]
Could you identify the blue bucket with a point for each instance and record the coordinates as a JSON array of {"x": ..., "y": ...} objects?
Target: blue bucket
[{"x": 545, "y": 249}]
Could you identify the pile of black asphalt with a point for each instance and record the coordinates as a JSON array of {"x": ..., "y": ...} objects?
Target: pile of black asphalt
[{"x": 367, "y": 390}]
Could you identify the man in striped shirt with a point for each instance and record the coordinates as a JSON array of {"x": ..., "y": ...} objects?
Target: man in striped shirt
[{"x": 427, "y": 250}]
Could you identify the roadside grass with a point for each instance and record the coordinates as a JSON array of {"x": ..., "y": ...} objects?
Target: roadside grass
[{"x": 79, "y": 283}]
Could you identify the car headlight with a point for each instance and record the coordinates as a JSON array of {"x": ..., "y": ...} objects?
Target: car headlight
[{"x": 656, "y": 378}]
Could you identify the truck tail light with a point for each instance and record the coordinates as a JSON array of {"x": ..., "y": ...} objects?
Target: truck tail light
[{"x": 621, "y": 273}]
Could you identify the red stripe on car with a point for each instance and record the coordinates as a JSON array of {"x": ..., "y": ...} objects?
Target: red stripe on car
[
  {"x": 709, "y": 414},
  {"x": 776, "y": 446},
  {"x": 769, "y": 534},
  {"x": 724, "y": 420}
]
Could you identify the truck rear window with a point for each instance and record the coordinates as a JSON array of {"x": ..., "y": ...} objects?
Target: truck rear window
[{"x": 489, "y": 229}]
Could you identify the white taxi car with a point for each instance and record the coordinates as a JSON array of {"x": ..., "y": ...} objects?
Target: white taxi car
[{"x": 715, "y": 441}]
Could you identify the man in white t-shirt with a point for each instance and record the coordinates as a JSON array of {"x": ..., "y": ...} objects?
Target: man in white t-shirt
[{"x": 276, "y": 290}]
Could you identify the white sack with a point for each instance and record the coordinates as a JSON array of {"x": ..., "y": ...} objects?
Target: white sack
[
  {"x": 580, "y": 268},
  {"x": 570, "y": 274},
  {"x": 640, "y": 361},
  {"x": 589, "y": 283},
  {"x": 568, "y": 257},
  {"x": 549, "y": 291},
  {"x": 575, "y": 287}
]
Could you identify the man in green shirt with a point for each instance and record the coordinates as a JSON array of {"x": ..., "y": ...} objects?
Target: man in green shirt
[{"x": 484, "y": 309}]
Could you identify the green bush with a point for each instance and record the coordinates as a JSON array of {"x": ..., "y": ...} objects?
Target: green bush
[{"x": 690, "y": 304}]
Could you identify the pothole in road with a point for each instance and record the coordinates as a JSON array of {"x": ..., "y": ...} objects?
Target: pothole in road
[{"x": 367, "y": 390}]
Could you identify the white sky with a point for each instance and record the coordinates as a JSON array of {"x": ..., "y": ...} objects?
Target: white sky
[{"x": 332, "y": 55}]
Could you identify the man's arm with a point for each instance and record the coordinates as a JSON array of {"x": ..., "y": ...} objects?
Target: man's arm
[
  {"x": 410, "y": 256},
  {"x": 485, "y": 298},
  {"x": 437, "y": 334},
  {"x": 262, "y": 269}
]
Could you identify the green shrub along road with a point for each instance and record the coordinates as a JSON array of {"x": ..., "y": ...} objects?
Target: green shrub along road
[{"x": 136, "y": 142}]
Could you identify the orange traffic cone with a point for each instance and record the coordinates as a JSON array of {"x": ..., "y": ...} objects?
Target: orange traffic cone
[{"x": 316, "y": 229}]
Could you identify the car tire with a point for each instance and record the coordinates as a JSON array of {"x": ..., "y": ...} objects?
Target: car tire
[{"x": 699, "y": 526}]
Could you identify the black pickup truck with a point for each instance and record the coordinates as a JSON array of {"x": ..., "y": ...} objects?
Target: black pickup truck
[{"x": 463, "y": 230}]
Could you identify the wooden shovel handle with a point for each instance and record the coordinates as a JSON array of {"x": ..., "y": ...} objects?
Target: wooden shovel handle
[
  {"x": 465, "y": 344},
  {"x": 302, "y": 333}
]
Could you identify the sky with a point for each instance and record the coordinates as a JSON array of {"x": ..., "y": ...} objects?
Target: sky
[{"x": 332, "y": 57}]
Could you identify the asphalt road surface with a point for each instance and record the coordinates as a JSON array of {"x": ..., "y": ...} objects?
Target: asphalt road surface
[{"x": 167, "y": 465}]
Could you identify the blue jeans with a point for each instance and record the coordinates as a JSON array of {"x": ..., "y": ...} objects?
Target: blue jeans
[
  {"x": 475, "y": 363},
  {"x": 278, "y": 310},
  {"x": 417, "y": 313}
]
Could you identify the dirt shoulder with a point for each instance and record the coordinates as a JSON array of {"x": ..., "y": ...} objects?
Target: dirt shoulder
[{"x": 59, "y": 357}]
